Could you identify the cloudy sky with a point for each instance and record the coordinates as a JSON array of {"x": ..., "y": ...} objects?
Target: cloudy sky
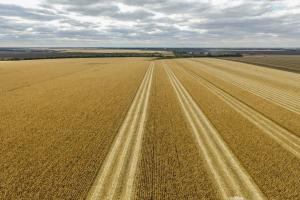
[{"x": 150, "y": 23}]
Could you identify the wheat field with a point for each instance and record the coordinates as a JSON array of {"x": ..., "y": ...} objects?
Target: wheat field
[{"x": 145, "y": 128}]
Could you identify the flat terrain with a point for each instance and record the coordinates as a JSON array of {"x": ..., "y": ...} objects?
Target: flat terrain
[
  {"x": 142, "y": 128},
  {"x": 85, "y": 50},
  {"x": 13, "y": 54},
  {"x": 284, "y": 62}
]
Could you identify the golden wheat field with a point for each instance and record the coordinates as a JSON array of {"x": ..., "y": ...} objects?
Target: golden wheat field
[{"x": 149, "y": 129}]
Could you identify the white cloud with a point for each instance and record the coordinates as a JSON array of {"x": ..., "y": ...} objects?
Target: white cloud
[{"x": 24, "y": 3}]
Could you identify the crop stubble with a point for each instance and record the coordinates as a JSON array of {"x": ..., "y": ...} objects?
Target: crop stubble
[{"x": 284, "y": 62}]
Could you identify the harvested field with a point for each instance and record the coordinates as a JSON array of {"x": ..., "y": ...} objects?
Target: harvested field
[
  {"x": 136, "y": 128},
  {"x": 284, "y": 62}
]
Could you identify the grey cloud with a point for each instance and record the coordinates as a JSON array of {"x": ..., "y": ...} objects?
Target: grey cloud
[
  {"x": 93, "y": 2},
  {"x": 135, "y": 15},
  {"x": 229, "y": 26},
  {"x": 8, "y": 26},
  {"x": 98, "y": 10},
  {"x": 33, "y": 14},
  {"x": 73, "y": 2},
  {"x": 112, "y": 11}
]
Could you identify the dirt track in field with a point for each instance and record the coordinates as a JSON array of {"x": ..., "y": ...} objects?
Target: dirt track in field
[
  {"x": 288, "y": 99},
  {"x": 231, "y": 178},
  {"x": 170, "y": 166},
  {"x": 286, "y": 118},
  {"x": 117, "y": 174},
  {"x": 284, "y": 137},
  {"x": 266, "y": 157},
  {"x": 135, "y": 128}
]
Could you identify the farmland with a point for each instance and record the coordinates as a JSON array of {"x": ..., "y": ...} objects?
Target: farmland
[
  {"x": 146, "y": 128},
  {"x": 107, "y": 50},
  {"x": 284, "y": 62}
]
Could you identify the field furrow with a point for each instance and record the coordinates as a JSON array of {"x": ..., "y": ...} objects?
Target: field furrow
[
  {"x": 231, "y": 178},
  {"x": 116, "y": 176}
]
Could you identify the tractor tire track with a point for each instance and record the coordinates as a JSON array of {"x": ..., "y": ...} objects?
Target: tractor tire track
[
  {"x": 115, "y": 179},
  {"x": 230, "y": 177},
  {"x": 283, "y": 137}
]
